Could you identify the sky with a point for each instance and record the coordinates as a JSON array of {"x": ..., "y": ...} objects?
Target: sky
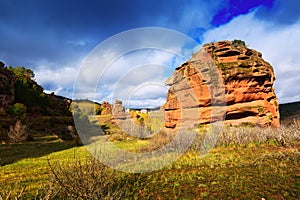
[{"x": 56, "y": 39}]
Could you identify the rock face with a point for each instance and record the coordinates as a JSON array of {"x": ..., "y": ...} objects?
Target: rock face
[
  {"x": 224, "y": 80},
  {"x": 106, "y": 108},
  {"x": 62, "y": 105},
  {"x": 118, "y": 110},
  {"x": 7, "y": 82}
]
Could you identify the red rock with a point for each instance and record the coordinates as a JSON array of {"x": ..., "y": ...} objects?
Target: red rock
[
  {"x": 106, "y": 108},
  {"x": 222, "y": 78},
  {"x": 118, "y": 111}
]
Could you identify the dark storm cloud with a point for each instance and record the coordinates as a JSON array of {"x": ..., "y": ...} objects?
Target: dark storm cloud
[
  {"x": 55, "y": 31},
  {"x": 53, "y": 37},
  {"x": 237, "y": 7},
  {"x": 283, "y": 12},
  {"x": 33, "y": 32}
]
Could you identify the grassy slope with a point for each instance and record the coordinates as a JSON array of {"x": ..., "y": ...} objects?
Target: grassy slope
[
  {"x": 252, "y": 172},
  {"x": 265, "y": 171},
  {"x": 33, "y": 172},
  {"x": 227, "y": 173}
]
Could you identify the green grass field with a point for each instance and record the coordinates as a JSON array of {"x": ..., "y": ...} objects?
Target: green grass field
[{"x": 252, "y": 171}]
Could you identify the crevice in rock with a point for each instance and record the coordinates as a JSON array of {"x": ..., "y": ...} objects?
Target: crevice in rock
[
  {"x": 240, "y": 115},
  {"x": 229, "y": 53}
]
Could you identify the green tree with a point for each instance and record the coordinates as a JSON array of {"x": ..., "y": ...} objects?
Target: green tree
[
  {"x": 239, "y": 43},
  {"x": 27, "y": 91},
  {"x": 22, "y": 72},
  {"x": 18, "y": 109}
]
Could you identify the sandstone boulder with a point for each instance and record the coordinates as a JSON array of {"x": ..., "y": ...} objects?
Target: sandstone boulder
[
  {"x": 118, "y": 111},
  {"x": 224, "y": 80}
]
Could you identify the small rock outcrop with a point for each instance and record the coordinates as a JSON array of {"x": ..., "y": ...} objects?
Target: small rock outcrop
[
  {"x": 224, "y": 80},
  {"x": 118, "y": 111},
  {"x": 105, "y": 108},
  {"x": 7, "y": 83}
]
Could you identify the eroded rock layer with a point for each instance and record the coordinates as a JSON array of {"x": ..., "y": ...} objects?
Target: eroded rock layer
[{"x": 224, "y": 80}]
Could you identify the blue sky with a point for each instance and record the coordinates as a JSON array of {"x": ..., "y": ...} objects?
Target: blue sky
[{"x": 54, "y": 37}]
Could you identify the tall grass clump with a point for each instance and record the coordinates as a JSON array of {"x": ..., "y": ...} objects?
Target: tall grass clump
[
  {"x": 88, "y": 179},
  {"x": 286, "y": 136},
  {"x": 12, "y": 194}
]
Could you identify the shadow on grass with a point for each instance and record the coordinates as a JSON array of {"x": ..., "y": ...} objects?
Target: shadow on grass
[
  {"x": 10, "y": 153},
  {"x": 105, "y": 128}
]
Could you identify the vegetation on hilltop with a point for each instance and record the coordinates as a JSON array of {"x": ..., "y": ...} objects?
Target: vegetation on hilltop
[
  {"x": 237, "y": 42},
  {"x": 29, "y": 96}
]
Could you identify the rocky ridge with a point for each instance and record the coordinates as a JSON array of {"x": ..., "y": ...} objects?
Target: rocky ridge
[
  {"x": 13, "y": 90},
  {"x": 224, "y": 80},
  {"x": 7, "y": 82}
]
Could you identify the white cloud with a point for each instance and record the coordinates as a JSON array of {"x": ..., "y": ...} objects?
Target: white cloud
[
  {"x": 147, "y": 103},
  {"x": 60, "y": 81},
  {"x": 279, "y": 46},
  {"x": 140, "y": 74},
  {"x": 130, "y": 60}
]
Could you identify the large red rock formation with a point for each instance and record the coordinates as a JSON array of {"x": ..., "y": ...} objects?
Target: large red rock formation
[{"x": 224, "y": 80}]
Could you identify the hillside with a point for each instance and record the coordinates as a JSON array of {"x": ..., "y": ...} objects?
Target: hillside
[
  {"x": 21, "y": 94},
  {"x": 289, "y": 111},
  {"x": 23, "y": 100}
]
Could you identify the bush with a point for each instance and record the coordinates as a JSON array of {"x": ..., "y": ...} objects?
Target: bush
[
  {"x": 239, "y": 43},
  {"x": 18, "y": 132},
  {"x": 18, "y": 109},
  {"x": 248, "y": 134},
  {"x": 85, "y": 180}
]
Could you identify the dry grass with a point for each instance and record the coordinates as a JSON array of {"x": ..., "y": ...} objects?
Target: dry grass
[
  {"x": 217, "y": 135},
  {"x": 285, "y": 136},
  {"x": 87, "y": 179},
  {"x": 157, "y": 141},
  {"x": 247, "y": 163}
]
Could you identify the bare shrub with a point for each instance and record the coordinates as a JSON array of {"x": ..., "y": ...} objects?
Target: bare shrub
[
  {"x": 18, "y": 132},
  {"x": 157, "y": 141},
  {"x": 285, "y": 136},
  {"x": 85, "y": 180},
  {"x": 12, "y": 194}
]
